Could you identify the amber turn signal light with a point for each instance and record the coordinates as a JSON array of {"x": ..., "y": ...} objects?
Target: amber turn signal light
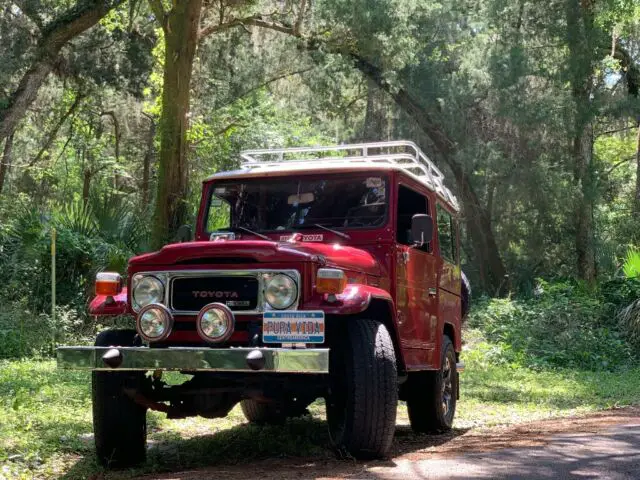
[
  {"x": 331, "y": 281},
  {"x": 108, "y": 283}
]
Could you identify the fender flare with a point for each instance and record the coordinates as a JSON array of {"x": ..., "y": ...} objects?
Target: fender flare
[
  {"x": 355, "y": 299},
  {"x": 358, "y": 299}
]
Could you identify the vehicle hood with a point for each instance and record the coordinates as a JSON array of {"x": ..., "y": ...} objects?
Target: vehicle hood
[{"x": 259, "y": 251}]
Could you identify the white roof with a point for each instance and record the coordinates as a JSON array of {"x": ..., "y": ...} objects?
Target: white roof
[{"x": 399, "y": 155}]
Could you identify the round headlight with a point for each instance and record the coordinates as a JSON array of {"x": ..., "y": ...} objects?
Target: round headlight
[
  {"x": 281, "y": 291},
  {"x": 215, "y": 323},
  {"x": 154, "y": 322},
  {"x": 147, "y": 290}
]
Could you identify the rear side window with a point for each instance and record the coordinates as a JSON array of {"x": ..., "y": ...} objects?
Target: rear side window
[
  {"x": 447, "y": 236},
  {"x": 409, "y": 203}
]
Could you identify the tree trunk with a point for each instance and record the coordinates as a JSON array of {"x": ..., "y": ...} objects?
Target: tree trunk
[
  {"x": 146, "y": 166},
  {"x": 585, "y": 248},
  {"x": 116, "y": 133},
  {"x": 375, "y": 120},
  {"x": 637, "y": 199},
  {"x": 580, "y": 64},
  {"x": 86, "y": 185},
  {"x": 5, "y": 164},
  {"x": 181, "y": 39},
  {"x": 55, "y": 35}
]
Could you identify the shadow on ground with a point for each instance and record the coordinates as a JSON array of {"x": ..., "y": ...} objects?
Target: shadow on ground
[{"x": 299, "y": 445}]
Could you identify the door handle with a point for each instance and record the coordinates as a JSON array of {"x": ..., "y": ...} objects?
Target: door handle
[{"x": 433, "y": 292}]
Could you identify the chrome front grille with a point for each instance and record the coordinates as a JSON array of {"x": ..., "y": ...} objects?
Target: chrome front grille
[{"x": 244, "y": 287}]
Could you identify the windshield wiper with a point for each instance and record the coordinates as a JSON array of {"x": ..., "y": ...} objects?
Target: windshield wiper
[
  {"x": 244, "y": 229},
  {"x": 317, "y": 225}
]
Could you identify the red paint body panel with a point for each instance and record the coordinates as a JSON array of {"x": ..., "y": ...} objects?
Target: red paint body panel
[
  {"x": 263, "y": 251},
  {"x": 354, "y": 299},
  {"x": 102, "y": 306},
  {"x": 422, "y": 290}
]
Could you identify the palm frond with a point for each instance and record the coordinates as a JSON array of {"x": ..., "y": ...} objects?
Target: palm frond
[
  {"x": 78, "y": 218},
  {"x": 631, "y": 267},
  {"x": 629, "y": 319}
]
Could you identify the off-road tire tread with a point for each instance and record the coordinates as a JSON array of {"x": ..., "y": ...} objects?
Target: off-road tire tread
[
  {"x": 423, "y": 402},
  {"x": 262, "y": 413},
  {"x": 119, "y": 424},
  {"x": 372, "y": 381}
]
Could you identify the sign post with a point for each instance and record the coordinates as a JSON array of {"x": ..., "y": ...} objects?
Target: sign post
[{"x": 53, "y": 285}]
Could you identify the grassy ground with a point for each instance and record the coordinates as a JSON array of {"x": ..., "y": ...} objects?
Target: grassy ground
[{"x": 45, "y": 418}]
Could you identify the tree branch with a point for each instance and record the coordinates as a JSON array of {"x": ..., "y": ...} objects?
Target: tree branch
[
  {"x": 159, "y": 13},
  {"x": 609, "y": 132},
  {"x": 253, "y": 20},
  {"x": 620, "y": 163},
  {"x": 30, "y": 12},
  {"x": 54, "y": 132},
  {"x": 297, "y": 26},
  {"x": 55, "y": 35},
  {"x": 266, "y": 83}
]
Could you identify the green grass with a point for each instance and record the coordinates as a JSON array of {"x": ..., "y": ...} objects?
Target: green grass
[{"x": 45, "y": 418}]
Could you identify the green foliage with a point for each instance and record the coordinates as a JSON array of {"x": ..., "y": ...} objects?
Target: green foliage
[
  {"x": 89, "y": 239},
  {"x": 631, "y": 267},
  {"x": 565, "y": 325}
]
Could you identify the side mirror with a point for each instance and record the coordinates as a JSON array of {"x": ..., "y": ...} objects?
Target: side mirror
[
  {"x": 184, "y": 234},
  {"x": 421, "y": 229}
]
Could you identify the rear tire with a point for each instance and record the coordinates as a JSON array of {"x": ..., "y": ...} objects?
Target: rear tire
[
  {"x": 431, "y": 399},
  {"x": 361, "y": 407},
  {"x": 119, "y": 424},
  {"x": 262, "y": 413},
  {"x": 271, "y": 413}
]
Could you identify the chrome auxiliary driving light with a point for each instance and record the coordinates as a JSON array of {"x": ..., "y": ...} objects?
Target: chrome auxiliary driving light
[
  {"x": 215, "y": 323},
  {"x": 154, "y": 322}
]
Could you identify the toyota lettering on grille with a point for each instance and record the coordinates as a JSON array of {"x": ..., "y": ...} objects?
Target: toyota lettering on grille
[{"x": 213, "y": 294}]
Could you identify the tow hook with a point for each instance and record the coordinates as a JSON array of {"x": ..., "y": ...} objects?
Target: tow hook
[
  {"x": 113, "y": 358},
  {"x": 255, "y": 360}
]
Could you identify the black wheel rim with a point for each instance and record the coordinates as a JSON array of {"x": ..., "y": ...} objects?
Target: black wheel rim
[{"x": 447, "y": 387}]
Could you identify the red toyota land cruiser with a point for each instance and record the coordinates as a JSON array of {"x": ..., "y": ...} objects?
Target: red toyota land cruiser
[{"x": 326, "y": 272}]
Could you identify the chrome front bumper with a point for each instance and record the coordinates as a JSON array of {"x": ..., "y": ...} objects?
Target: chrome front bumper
[{"x": 187, "y": 359}]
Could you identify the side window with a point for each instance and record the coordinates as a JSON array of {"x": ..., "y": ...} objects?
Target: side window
[
  {"x": 409, "y": 203},
  {"x": 447, "y": 236}
]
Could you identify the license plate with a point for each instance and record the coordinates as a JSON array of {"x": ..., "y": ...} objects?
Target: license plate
[{"x": 293, "y": 327}]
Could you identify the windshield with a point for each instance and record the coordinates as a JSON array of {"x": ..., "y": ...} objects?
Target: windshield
[{"x": 264, "y": 204}]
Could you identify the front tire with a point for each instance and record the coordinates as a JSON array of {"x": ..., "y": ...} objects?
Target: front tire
[
  {"x": 361, "y": 407},
  {"x": 432, "y": 396},
  {"x": 119, "y": 424}
]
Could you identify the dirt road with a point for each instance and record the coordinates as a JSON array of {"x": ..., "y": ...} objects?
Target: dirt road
[{"x": 603, "y": 446}]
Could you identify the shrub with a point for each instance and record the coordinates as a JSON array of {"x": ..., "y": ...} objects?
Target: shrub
[
  {"x": 88, "y": 240},
  {"x": 564, "y": 325}
]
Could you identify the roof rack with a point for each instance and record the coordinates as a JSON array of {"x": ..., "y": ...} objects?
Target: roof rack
[{"x": 403, "y": 155}]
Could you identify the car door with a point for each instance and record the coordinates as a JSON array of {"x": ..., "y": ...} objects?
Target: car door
[
  {"x": 449, "y": 302},
  {"x": 416, "y": 283}
]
